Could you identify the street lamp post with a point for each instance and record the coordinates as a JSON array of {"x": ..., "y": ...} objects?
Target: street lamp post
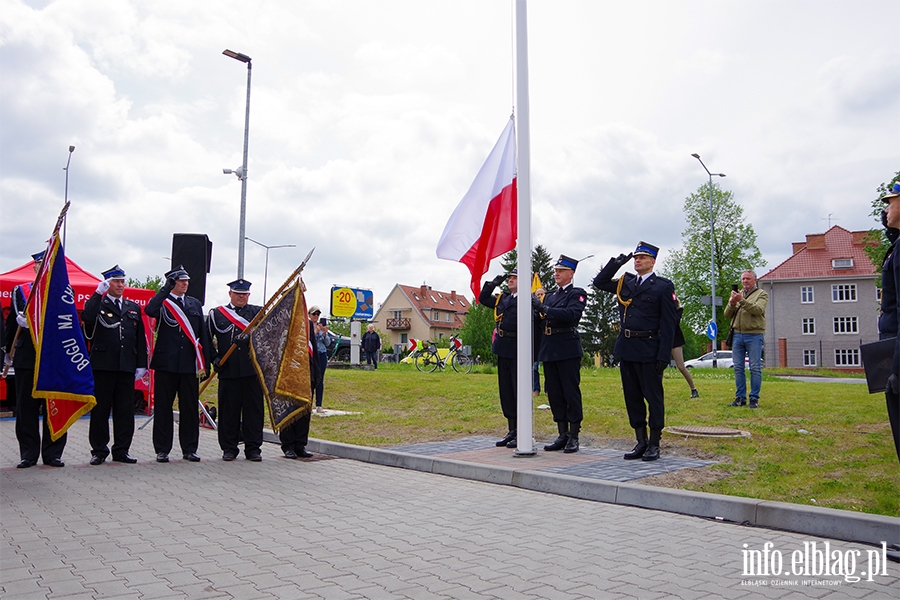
[
  {"x": 266, "y": 274},
  {"x": 242, "y": 172},
  {"x": 66, "y": 199},
  {"x": 712, "y": 253}
]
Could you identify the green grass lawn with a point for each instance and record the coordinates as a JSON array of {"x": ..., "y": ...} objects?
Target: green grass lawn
[{"x": 845, "y": 460}]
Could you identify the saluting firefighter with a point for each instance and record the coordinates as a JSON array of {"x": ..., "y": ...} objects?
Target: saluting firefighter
[
  {"x": 504, "y": 345},
  {"x": 115, "y": 328},
  {"x": 180, "y": 359},
  {"x": 647, "y": 318},
  {"x": 35, "y": 440},
  {"x": 561, "y": 352},
  {"x": 240, "y": 393}
]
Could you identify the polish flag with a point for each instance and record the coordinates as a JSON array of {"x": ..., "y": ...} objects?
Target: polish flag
[{"x": 484, "y": 226}]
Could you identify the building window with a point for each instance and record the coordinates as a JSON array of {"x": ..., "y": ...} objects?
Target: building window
[
  {"x": 806, "y": 294},
  {"x": 846, "y": 357},
  {"x": 396, "y": 314},
  {"x": 809, "y": 358},
  {"x": 841, "y": 263},
  {"x": 846, "y": 325},
  {"x": 449, "y": 317},
  {"x": 404, "y": 338},
  {"x": 809, "y": 326},
  {"x": 843, "y": 292},
  {"x": 436, "y": 316}
]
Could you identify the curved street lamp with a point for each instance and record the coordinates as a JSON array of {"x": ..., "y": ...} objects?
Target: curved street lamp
[{"x": 712, "y": 253}]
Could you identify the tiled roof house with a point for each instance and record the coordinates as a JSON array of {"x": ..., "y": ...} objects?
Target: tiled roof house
[
  {"x": 823, "y": 302},
  {"x": 421, "y": 313}
]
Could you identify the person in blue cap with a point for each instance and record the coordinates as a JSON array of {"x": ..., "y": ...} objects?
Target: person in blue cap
[
  {"x": 561, "y": 352},
  {"x": 240, "y": 393},
  {"x": 34, "y": 441},
  {"x": 115, "y": 327},
  {"x": 647, "y": 321},
  {"x": 181, "y": 357}
]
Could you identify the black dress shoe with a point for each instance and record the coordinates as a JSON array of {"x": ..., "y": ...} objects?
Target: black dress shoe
[
  {"x": 637, "y": 452},
  {"x": 559, "y": 444},
  {"x": 162, "y": 457},
  {"x": 512, "y": 443},
  {"x": 571, "y": 445},
  {"x": 124, "y": 459},
  {"x": 505, "y": 441},
  {"x": 25, "y": 463},
  {"x": 229, "y": 456},
  {"x": 97, "y": 460},
  {"x": 652, "y": 453},
  {"x": 290, "y": 454},
  {"x": 191, "y": 456},
  {"x": 55, "y": 463},
  {"x": 254, "y": 456},
  {"x": 302, "y": 453}
]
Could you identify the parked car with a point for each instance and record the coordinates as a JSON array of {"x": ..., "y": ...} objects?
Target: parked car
[{"x": 724, "y": 360}]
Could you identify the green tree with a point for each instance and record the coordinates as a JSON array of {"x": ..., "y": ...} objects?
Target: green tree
[
  {"x": 152, "y": 282},
  {"x": 476, "y": 332},
  {"x": 541, "y": 263},
  {"x": 877, "y": 242},
  {"x": 689, "y": 266},
  {"x": 599, "y": 326}
]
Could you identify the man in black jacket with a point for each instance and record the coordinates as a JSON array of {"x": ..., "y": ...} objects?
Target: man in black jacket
[
  {"x": 33, "y": 442},
  {"x": 181, "y": 358},
  {"x": 890, "y": 308},
  {"x": 561, "y": 353},
  {"x": 115, "y": 327},
  {"x": 240, "y": 393},
  {"x": 647, "y": 319}
]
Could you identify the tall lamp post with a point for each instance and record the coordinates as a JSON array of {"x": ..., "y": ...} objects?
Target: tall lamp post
[
  {"x": 266, "y": 274},
  {"x": 68, "y": 161},
  {"x": 712, "y": 252},
  {"x": 242, "y": 171}
]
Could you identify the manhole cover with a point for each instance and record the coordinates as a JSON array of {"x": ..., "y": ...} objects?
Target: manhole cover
[{"x": 702, "y": 431}]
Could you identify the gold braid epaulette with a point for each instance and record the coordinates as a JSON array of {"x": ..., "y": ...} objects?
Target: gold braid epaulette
[{"x": 625, "y": 303}]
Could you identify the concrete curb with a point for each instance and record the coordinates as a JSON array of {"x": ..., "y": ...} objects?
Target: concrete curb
[{"x": 815, "y": 521}]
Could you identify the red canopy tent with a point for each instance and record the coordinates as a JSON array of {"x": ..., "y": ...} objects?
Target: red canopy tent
[{"x": 83, "y": 284}]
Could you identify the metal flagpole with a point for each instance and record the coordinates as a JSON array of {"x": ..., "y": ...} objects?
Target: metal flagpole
[{"x": 524, "y": 359}]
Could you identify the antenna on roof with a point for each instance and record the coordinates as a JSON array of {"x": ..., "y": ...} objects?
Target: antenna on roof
[{"x": 828, "y": 218}]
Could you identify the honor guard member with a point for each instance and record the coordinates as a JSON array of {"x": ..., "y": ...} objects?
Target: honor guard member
[
  {"x": 647, "y": 321},
  {"x": 561, "y": 352},
  {"x": 180, "y": 359},
  {"x": 115, "y": 328},
  {"x": 240, "y": 394},
  {"x": 32, "y": 443},
  {"x": 295, "y": 436}
]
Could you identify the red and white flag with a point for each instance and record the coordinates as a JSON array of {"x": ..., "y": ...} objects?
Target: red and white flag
[{"x": 484, "y": 225}]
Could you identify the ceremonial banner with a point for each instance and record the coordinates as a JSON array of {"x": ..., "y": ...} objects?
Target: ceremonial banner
[
  {"x": 62, "y": 369},
  {"x": 268, "y": 344},
  {"x": 484, "y": 224}
]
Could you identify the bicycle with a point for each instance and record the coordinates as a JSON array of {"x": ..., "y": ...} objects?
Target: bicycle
[{"x": 427, "y": 359}]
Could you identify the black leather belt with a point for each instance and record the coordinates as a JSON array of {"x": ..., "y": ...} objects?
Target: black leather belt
[
  {"x": 629, "y": 333},
  {"x": 555, "y": 330},
  {"x": 503, "y": 333}
]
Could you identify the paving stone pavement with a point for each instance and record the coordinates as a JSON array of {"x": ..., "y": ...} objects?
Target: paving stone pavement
[{"x": 338, "y": 528}]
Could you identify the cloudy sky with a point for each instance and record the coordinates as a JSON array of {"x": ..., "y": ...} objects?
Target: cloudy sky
[{"x": 369, "y": 120}]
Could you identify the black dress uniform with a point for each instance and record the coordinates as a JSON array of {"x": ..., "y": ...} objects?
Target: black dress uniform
[
  {"x": 647, "y": 319},
  {"x": 889, "y": 321},
  {"x": 176, "y": 370},
  {"x": 561, "y": 353},
  {"x": 240, "y": 393},
  {"x": 33, "y": 442},
  {"x": 295, "y": 436},
  {"x": 506, "y": 348},
  {"x": 115, "y": 327}
]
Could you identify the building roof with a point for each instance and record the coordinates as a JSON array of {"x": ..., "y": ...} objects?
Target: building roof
[
  {"x": 835, "y": 254},
  {"x": 425, "y": 299}
]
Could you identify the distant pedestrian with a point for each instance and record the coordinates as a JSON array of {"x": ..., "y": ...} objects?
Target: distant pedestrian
[
  {"x": 371, "y": 343},
  {"x": 678, "y": 353}
]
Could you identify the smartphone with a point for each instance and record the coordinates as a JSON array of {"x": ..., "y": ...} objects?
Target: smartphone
[
  {"x": 734, "y": 287},
  {"x": 324, "y": 322}
]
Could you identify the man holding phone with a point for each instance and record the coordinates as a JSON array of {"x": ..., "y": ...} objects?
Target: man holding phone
[{"x": 747, "y": 311}]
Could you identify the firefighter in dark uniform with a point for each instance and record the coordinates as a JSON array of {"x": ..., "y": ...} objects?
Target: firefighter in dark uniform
[
  {"x": 32, "y": 442},
  {"x": 561, "y": 352},
  {"x": 647, "y": 318},
  {"x": 240, "y": 394},
  {"x": 181, "y": 358},
  {"x": 505, "y": 346},
  {"x": 115, "y": 327},
  {"x": 295, "y": 436}
]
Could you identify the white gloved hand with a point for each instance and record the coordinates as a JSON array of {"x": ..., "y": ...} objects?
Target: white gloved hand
[
  {"x": 103, "y": 286},
  {"x": 22, "y": 320},
  {"x": 139, "y": 373},
  {"x": 7, "y": 361}
]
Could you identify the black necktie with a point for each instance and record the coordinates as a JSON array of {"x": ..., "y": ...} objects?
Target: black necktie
[
  {"x": 119, "y": 304},
  {"x": 180, "y": 302}
]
